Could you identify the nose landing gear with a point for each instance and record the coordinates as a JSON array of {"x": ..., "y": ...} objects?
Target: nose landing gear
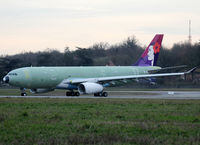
[{"x": 23, "y": 92}]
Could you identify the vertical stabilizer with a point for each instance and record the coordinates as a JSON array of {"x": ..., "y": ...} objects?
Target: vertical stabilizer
[{"x": 150, "y": 55}]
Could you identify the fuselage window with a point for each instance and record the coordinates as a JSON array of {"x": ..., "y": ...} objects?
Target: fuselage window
[{"x": 12, "y": 74}]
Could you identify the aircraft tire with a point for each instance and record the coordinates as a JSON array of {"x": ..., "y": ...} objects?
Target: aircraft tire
[
  {"x": 100, "y": 94},
  {"x": 96, "y": 94},
  {"x": 77, "y": 94},
  {"x": 23, "y": 94},
  {"x": 104, "y": 94},
  {"x": 72, "y": 94},
  {"x": 67, "y": 93}
]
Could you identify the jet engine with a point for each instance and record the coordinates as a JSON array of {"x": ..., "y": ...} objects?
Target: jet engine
[
  {"x": 41, "y": 90},
  {"x": 89, "y": 88}
]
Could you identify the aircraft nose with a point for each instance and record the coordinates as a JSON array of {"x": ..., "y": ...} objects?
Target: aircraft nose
[{"x": 6, "y": 79}]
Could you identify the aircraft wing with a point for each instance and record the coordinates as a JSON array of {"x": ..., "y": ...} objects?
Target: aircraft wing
[
  {"x": 105, "y": 79},
  {"x": 167, "y": 69}
]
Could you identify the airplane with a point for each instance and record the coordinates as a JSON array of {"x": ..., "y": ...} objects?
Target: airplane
[{"x": 90, "y": 79}]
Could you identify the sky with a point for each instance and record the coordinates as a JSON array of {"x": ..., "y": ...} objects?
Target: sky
[{"x": 35, "y": 25}]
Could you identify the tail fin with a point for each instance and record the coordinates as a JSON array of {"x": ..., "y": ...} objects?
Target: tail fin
[{"x": 150, "y": 55}]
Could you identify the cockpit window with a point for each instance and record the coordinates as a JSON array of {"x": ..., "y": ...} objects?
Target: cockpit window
[{"x": 12, "y": 74}]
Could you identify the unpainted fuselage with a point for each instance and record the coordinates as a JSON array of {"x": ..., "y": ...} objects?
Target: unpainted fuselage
[{"x": 50, "y": 77}]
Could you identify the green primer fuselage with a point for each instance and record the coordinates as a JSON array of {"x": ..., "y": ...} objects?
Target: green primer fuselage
[{"x": 50, "y": 77}]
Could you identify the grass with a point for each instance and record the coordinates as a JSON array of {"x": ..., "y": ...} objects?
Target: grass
[{"x": 99, "y": 121}]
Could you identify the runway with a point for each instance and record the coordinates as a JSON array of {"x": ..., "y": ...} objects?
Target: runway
[{"x": 132, "y": 95}]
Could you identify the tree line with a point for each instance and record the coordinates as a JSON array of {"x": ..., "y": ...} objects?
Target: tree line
[{"x": 100, "y": 54}]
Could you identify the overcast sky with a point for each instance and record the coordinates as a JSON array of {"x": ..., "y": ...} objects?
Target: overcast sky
[{"x": 34, "y": 25}]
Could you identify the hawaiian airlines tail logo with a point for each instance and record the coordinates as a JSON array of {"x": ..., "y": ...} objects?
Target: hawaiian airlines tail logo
[
  {"x": 152, "y": 51},
  {"x": 156, "y": 48},
  {"x": 150, "y": 55}
]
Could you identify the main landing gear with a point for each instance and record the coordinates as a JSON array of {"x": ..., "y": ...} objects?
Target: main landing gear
[
  {"x": 23, "y": 92},
  {"x": 72, "y": 93},
  {"x": 101, "y": 94}
]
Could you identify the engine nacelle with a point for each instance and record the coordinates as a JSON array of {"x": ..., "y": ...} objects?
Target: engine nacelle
[
  {"x": 89, "y": 88},
  {"x": 40, "y": 90}
]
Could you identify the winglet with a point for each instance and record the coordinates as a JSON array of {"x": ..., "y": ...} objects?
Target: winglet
[{"x": 191, "y": 70}]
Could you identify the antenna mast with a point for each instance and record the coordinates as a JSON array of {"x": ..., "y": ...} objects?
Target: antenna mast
[{"x": 190, "y": 37}]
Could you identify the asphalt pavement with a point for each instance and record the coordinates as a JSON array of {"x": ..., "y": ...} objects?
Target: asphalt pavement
[{"x": 133, "y": 95}]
